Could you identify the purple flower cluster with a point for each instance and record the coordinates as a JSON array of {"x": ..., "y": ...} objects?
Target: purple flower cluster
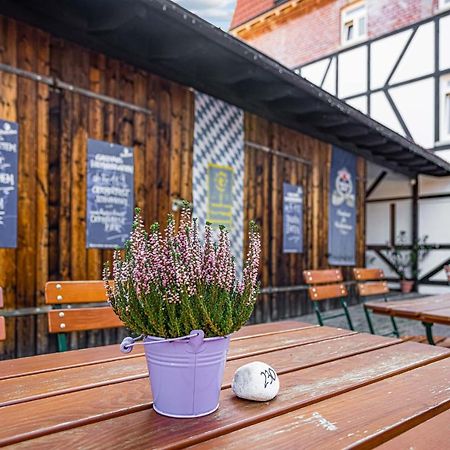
[{"x": 178, "y": 266}]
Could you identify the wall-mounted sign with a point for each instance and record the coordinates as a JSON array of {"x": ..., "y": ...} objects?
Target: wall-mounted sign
[
  {"x": 292, "y": 218},
  {"x": 9, "y": 147},
  {"x": 110, "y": 199},
  {"x": 342, "y": 209},
  {"x": 220, "y": 195}
]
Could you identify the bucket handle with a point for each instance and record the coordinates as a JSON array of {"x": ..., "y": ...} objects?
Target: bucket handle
[{"x": 128, "y": 343}]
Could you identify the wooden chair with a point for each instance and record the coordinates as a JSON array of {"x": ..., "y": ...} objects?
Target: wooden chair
[
  {"x": 372, "y": 282},
  {"x": 327, "y": 284},
  {"x": 2, "y": 319},
  {"x": 63, "y": 320}
]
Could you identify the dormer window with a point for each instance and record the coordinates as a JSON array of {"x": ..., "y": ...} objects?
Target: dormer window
[{"x": 354, "y": 24}]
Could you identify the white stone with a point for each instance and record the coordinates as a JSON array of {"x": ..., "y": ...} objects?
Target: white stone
[{"x": 256, "y": 381}]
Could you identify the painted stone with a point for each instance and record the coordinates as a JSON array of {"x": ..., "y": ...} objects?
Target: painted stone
[{"x": 256, "y": 381}]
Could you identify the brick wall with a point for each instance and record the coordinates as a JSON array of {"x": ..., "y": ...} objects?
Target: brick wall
[{"x": 312, "y": 28}]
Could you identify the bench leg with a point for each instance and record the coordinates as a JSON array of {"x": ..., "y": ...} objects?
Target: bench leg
[
  {"x": 369, "y": 320},
  {"x": 429, "y": 332},
  {"x": 62, "y": 342},
  {"x": 318, "y": 314},
  {"x": 347, "y": 314},
  {"x": 395, "y": 331}
]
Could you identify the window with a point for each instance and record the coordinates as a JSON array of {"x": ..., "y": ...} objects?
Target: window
[
  {"x": 444, "y": 4},
  {"x": 353, "y": 24},
  {"x": 445, "y": 108}
]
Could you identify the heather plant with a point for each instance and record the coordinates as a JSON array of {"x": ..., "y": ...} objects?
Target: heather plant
[{"x": 167, "y": 284}]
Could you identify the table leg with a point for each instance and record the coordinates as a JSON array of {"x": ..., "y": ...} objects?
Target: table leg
[{"x": 429, "y": 331}]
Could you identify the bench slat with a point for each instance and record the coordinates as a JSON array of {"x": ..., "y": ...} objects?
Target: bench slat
[
  {"x": 363, "y": 274},
  {"x": 317, "y": 293},
  {"x": 322, "y": 276},
  {"x": 81, "y": 319},
  {"x": 375, "y": 288},
  {"x": 63, "y": 292}
]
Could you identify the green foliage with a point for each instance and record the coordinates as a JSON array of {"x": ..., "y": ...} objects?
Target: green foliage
[{"x": 169, "y": 285}]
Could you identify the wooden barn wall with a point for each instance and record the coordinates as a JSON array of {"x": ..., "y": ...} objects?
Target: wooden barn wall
[
  {"x": 55, "y": 125},
  {"x": 54, "y": 128},
  {"x": 264, "y": 177}
]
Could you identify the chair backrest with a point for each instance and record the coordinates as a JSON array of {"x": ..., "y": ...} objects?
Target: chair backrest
[
  {"x": 2, "y": 319},
  {"x": 78, "y": 319},
  {"x": 370, "y": 281},
  {"x": 325, "y": 284}
]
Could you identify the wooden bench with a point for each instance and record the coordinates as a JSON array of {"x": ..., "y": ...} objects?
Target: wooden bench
[
  {"x": 63, "y": 320},
  {"x": 371, "y": 282},
  {"x": 2, "y": 319},
  {"x": 327, "y": 284}
]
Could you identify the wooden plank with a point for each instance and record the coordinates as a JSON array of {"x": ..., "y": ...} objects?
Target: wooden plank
[
  {"x": 441, "y": 316},
  {"x": 317, "y": 293},
  {"x": 322, "y": 276},
  {"x": 363, "y": 418},
  {"x": 86, "y": 291},
  {"x": 67, "y": 409},
  {"x": 316, "y": 383},
  {"x": 409, "y": 308},
  {"x": 22, "y": 389},
  {"x": 46, "y": 413},
  {"x": 67, "y": 320},
  {"x": 362, "y": 274},
  {"x": 373, "y": 288},
  {"x": 432, "y": 434},
  {"x": 58, "y": 361}
]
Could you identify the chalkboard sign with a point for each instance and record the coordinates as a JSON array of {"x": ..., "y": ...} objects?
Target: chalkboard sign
[
  {"x": 110, "y": 201},
  {"x": 292, "y": 218},
  {"x": 220, "y": 195},
  {"x": 9, "y": 140}
]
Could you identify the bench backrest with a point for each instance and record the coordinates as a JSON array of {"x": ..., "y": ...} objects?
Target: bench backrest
[
  {"x": 370, "y": 281},
  {"x": 325, "y": 284},
  {"x": 2, "y": 319},
  {"x": 78, "y": 319}
]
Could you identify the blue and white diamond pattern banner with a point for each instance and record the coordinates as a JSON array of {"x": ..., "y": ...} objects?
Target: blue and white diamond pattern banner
[{"x": 219, "y": 141}]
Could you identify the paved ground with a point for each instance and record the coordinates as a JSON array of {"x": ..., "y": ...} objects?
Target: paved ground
[{"x": 381, "y": 324}]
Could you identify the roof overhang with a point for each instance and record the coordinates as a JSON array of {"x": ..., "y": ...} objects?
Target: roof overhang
[{"x": 163, "y": 38}]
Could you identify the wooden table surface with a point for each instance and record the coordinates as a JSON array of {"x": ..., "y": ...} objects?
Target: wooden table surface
[
  {"x": 433, "y": 309},
  {"x": 339, "y": 389}
]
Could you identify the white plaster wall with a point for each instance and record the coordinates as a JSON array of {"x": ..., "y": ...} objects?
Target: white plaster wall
[{"x": 352, "y": 72}]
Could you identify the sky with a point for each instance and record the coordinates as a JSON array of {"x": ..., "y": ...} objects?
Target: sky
[{"x": 218, "y": 12}]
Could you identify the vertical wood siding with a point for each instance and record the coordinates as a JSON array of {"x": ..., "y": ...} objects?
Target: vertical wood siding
[{"x": 54, "y": 128}]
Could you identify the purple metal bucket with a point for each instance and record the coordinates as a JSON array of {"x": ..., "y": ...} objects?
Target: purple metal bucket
[{"x": 186, "y": 375}]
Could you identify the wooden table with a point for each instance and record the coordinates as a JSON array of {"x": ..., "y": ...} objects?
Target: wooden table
[
  {"x": 338, "y": 389},
  {"x": 429, "y": 310}
]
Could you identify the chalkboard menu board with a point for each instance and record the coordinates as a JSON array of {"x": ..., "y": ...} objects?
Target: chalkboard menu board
[
  {"x": 110, "y": 201},
  {"x": 9, "y": 134},
  {"x": 292, "y": 218}
]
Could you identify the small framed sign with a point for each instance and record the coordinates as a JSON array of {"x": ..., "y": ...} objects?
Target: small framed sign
[
  {"x": 220, "y": 195},
  {"x": 292, "y": 218},
  {"x": 110, "y": 194}
]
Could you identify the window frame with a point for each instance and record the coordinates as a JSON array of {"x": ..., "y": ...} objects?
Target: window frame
[
  {"x": 444, "y": 99},
  {"x": 347, "y": 17}
]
